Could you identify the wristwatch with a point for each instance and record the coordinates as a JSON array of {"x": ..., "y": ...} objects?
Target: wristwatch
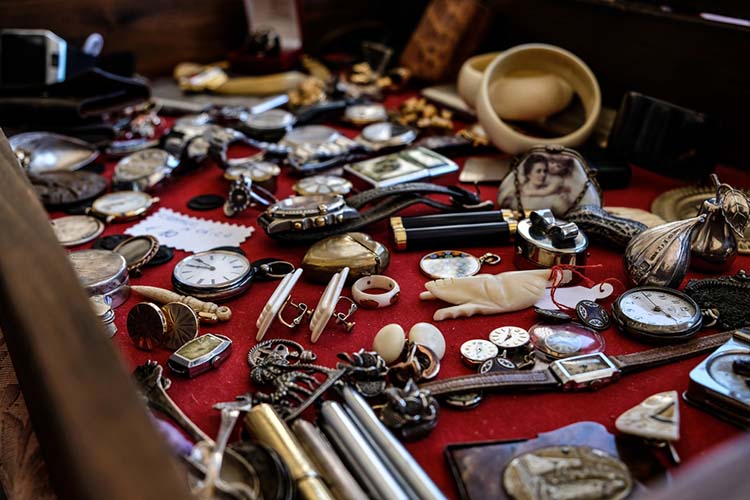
[
  {"x": 121, "y": 206},
  {"x": 143, "y": 169},
  {"x": 588, "y": 371},
  {"x": 311, "y": 218}
]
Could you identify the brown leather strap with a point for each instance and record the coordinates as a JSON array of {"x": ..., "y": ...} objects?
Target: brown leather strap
[
  {"x": 529, "y": 380},
  {"x": 669, "y": 353}
]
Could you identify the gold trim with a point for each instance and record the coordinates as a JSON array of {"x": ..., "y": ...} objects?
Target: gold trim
[{"x": 399, "y": 233}]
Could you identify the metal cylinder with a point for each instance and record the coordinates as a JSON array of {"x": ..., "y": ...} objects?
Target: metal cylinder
[
  {"x": 334, "y": 472},
  {"x": 270, "y": 429},
  {"x": 359, "y": 456},
  {"x": 393, "y": 452}
]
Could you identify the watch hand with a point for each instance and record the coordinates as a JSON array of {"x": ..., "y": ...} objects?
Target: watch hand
[
  {"x": 200, "y": 267},
  {"x": 659, "y": 309},
  {"x": 206, "y": 264}
]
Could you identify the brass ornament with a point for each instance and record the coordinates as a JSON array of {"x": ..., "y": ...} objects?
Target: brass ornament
[{"x": 358, "y": 251}]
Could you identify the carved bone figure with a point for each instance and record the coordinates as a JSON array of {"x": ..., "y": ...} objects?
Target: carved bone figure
[{"x": 489, "y": 293}]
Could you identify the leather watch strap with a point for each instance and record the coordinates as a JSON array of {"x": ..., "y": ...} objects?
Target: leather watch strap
[
  {"x": 459, "y": 197},
  {"x": 669, "y": 353},
  {"x": 516, "y": 379}
]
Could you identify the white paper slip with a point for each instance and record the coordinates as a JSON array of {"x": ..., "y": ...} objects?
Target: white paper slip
[{"x": 190, "y": 234}]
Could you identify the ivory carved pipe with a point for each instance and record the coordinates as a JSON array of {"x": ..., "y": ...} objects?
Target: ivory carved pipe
[{"x": 223, "y": 313}]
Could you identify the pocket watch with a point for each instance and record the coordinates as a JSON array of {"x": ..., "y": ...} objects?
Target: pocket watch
[
  {"x": 386, "y": 135},
  {"x": 213, "y": 275},
  {"x": 322, "y": 184},
  {"x": 364, "y": 114},
  {"x": 657, "y": 314},
  {"x": 122, "y": 206},
  {"x": 75, "y": 230},
  {"x": 454, "y": 264},
  {"x": 270, "y": 125},
  {"x": 262, "y": 173},
  {"x": 144, "y": 169},
  {"x": 474, "y": 352},
  {"x": 298, "y": 213}
]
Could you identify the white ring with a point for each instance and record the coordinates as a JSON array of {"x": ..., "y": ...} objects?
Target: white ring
[
  {"x": 375, "y": 300},
  {"x": 546, "y": 59}
]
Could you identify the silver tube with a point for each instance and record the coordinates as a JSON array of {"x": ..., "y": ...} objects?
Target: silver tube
[
  {"x": 334, "y": 472},
  {"x": 393, "y": 452},
  {"x": 356, "y": 451}
]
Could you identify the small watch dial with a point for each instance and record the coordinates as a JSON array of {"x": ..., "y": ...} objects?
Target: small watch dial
[
  {"x": 212, "y": 269},
  {"x": 141, "y": 164},
  {"x": 722, "y": 371},
  {"x": 76, "y": 229},
  {"x": 657, "y": 307},
  {"x": 509, "y": 337},
  {"x": 122, "y": 203},
  {"x": 477, "y": 351},
  {"x": 323, "y": 184}
]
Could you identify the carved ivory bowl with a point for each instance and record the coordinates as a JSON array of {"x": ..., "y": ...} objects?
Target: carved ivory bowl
[{"x": 535, "y": 61}]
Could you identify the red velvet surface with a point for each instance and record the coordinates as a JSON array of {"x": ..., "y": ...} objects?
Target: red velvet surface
[{"x": 499, "y": 416}]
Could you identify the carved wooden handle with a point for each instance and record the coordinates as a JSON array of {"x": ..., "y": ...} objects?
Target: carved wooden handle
[{"x": 164, "y": 296}]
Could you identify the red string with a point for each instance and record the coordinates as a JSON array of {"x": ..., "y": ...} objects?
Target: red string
[{"x": 557, "y": 275}]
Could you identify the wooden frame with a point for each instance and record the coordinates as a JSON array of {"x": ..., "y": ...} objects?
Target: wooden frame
[{"x": 93, "y": 430}]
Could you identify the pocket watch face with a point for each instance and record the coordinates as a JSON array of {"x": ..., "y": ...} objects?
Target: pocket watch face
[
  {"x": 212, "y": 269},
  {"x": 258, "y": 171},
  {"x": 142, "y": 164},
  {"x": 76, "y": 229},
  {"x": 509, "y": 337},
  {"x": 449, "y": 264},
  {"x": 122, "y": 203},
  {"x": 721, "y": 369},
  {"x": 312, "y": 135},
  {"x": 656, "y": 313},
  {"x": 658, "y": 307}
]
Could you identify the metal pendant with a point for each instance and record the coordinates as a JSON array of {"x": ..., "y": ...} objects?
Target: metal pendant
[{"x": 660, "y": 256}]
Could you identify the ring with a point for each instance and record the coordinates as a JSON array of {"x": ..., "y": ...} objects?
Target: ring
[{"x": 375, "y": 300}]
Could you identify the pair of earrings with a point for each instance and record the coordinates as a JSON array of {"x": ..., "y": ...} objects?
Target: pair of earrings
[{"x": 319, "y": 317}]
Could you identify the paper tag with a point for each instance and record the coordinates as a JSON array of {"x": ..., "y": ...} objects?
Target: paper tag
[
  {"x": 572, "y": 295},
  {"x": 190, "y": 234}
]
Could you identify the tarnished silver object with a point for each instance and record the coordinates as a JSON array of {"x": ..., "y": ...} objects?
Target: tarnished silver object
[
  {"x": 684, "y": 202},
  {"x": 334, "y": 472},
  {"x": 153, "y": 388},
  {"x": 102, "y": 272},
  {"x": 102, "y": 307},
  {"x": 714, "y": 244},
  {"x": 660, "y": 255},
  {"x": 601, "y": 226},
  {"x": 410, "y": 412},
  {"x": 230, "y": 413},
  {"x": 567, "y": 472},
  {"x": 41, "y": 152},
  {"x": 358, "y": 454},
  {"x": 405, "y": 468},
  {"x": 543, "y": 242}
]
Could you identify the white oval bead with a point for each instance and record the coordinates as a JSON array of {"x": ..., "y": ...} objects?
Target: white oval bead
[
  {"x": 389, "y": 342},
  {"x": 430, "y": 336}
]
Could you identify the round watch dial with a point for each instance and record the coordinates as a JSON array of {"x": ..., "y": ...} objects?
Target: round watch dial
[
  {"x": 449, "y": 264},
  {"x": 657, "y": 313},
  {"x": 122, "y": 204},
  {"x": 273, "y": 119},
  {"x": 258, "y": 171},
  {"x": 722, "y": 371},
  {"x": 366, "y": 113},
  {"x": 322, "y": 184},
  {"x": 213, "y": 270},
  {"x": 509, "y": 337},
  {"x": 477, "y": 351},
  {"x": 565, "y": 340},
  {"x": 311, "y": 135},
  {"x": 143, "y": 164},
  {"x": 76, "y": 229},
  {"x": 388, "y": 133}
]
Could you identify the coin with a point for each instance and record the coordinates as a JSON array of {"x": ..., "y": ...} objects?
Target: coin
[{"x": 567, "y": 472}]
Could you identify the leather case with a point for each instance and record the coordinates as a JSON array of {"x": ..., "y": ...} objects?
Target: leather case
[
  {"x": 664, "y": 137},
  {"x": 73, "y": 107},
  {"x": 448, "y": 33},
  {"x": 477, "y": 468}
]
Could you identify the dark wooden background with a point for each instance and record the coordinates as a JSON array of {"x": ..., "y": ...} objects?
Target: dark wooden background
[{"x": 629, "y": 45}]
